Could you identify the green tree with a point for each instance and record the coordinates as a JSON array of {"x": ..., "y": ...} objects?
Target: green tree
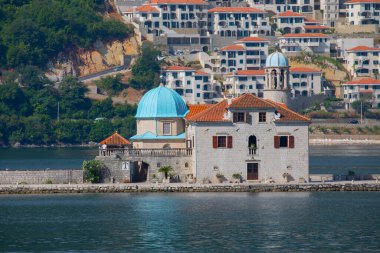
[
  {"x": 92, "y": 170},
  {"x": 112, "y": 85},
  {"x": 165, "y": 170}
]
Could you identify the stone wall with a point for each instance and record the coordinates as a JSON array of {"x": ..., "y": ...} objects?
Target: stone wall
[
  {"x": 41, "y": 177},
  {"x": 129, "y": 188}
]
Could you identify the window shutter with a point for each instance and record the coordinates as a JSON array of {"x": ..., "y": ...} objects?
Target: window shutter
[
  {"x": 215, "y": 142},
  {"x": 277, "y": 142},
  {"x": 229, "y": 141},
  {"x": 291, "y": 141},
  {"x": 235, "y": 117},
  {"x": 248, "y": 118}
]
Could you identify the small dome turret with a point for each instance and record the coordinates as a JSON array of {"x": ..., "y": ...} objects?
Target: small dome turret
[{"x": 277, "y": 59}]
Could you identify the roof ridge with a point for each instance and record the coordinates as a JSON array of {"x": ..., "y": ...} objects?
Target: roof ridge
[
  {"x": 287, "y": 109},
  {"x": 207, "y": 110},
  {"x": 249, "y": 95}
]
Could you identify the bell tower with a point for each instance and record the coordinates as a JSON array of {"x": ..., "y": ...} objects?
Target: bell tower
[{"x": 277, "y": 78}]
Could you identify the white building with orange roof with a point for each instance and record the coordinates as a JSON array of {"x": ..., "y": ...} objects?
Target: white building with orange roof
[
  {"x": 290, "y": 22},
  {"x": 363, "y": 12},
  {"x": 195, "y": 86},
  {"x": 276, "y": 6},
  {"x": 238, "y": 22},
  {"x": 330, "y": 11},
  {"x": 362, "y": 61},
  {"x": 247, "y": 53},
  {"x": 313, "y": 43},
  {"x": 367, "y": 89}
]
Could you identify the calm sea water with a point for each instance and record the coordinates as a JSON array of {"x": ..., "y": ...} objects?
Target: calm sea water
[
  {"x": 199, "y": 222},
  {"x": 337, "y": 159}
]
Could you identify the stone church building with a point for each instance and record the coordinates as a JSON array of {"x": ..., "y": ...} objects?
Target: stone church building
[{"x": 259, "y": 138}]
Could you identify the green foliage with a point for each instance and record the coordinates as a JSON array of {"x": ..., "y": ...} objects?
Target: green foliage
[
  {"x": 165, "y": 170},
  {"x": 361, "y": 106},
  {"x": 35, "y": 31},
  {"x": 236, "y": 176},
  {"x": 146, "y": 70},
  {"x": 92, "y": 170},
  {"x": 112, "y": 85}
]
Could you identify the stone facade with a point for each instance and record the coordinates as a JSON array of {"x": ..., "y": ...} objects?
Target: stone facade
[{"x": 41, "y": 177}]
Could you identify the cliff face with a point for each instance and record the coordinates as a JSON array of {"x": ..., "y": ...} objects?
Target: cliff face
[{"x": 84, "y": 62}]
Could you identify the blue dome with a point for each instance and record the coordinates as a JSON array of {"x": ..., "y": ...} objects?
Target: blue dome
[
  {"x": 161, "y": 102},
  {"x": 277, "y": 59}
]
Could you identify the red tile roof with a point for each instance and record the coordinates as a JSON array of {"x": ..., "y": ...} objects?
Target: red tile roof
[
  {"x": 233, "y": 48},
  {"x": 178, "y": 2},
  {"x": 310, "y": 20},
  {"x": 364, "y": 48},
  {"x": 195, "y": 109},
  {"x": 201, "y": 73},
  {"x": 365, "y": 81},
  {"x": 362, "y": 1},
  {"x": 316, "y": 27},
  {"x": 304, "y": 69},
  {"x": 304, "y": 35},
  {"x": 287, "y": 114},
  {"x": 253, "y": 39},
  {"x": 249, "y": 101},
  {"x": 257, "y": 72},
  {"x": 115, "y": 140},
  {"x": 147, "y": 8},
  {"x": 366, "y": 91},
  {"x": 178, "y": 68},
  {"x": 290, "y": 14},
  {"x": 236, "y": 10},
  {"x": 216, "y": 113}
]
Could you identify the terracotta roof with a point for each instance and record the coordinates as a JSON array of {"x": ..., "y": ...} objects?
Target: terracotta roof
[
  {"x": 253, "y": 39},
  {"x": 287, "y": 114},
  {"x": 233, "y": 48},
  {"x": 236, "y": 10},
  {"x": 214, "y": 113},
  {"x": 319, "y": 27},
  {"x": 195, "y": 109},
  {"x": 365, "y": 81},
  {"x": 364, "y": 48},
  {"x": 310, "y": 20},
  {"x": 178, "y": 68},
  {"x": 178, "y": 2},
  {"x": 290, "y": 14},
  {"x": 362, "y": 1},
  {"x": 257, "y": 72},
  {"x": 201, "y": 73},
  {"x": 115, "y": 140},
  {"x": 147, "y": 8},
  {"x": 366, "y": 91},
  {"x": 304, "y": 69},
  {"x": 249, "y": 101},
  {"x": 304, "y": 35}
]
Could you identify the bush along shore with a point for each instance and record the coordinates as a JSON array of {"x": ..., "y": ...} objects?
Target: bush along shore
[{"x": 128, "y": 188}]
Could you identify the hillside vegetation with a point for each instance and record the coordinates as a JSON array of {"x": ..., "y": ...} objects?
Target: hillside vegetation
[{"x": 34, "y": 31}]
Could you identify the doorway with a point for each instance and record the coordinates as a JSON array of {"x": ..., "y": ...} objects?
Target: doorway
[{"x": 252, "y": 171}]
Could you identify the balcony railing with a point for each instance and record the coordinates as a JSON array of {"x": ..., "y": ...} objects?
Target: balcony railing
[{"x": 156, "y": 152}]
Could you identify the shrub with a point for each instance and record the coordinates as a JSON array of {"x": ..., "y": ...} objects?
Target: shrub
[
  {"x": 165, "y": 170},
  {"x": 236, "y": 176},
  {"x": 92, "y": 171}
]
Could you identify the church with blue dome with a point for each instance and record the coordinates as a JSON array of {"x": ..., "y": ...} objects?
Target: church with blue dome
[{"x": 160, "y": 120}]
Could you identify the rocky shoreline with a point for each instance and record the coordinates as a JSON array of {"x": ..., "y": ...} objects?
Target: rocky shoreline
[{"x": 137, "y": 188}]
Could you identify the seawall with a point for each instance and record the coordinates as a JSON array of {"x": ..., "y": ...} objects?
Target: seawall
[
  {"x": 135, "y": 188},
  {"x": 41, "y": 177}
]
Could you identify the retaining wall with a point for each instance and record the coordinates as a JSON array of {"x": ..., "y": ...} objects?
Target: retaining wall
[
  {"x": 129, "y": 188},
  {"x": 41, "y": 177}
]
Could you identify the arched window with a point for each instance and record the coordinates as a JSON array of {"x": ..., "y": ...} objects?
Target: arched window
[
  {"x": 167, "y": 146},
  {"x": 252, "y": 144}
]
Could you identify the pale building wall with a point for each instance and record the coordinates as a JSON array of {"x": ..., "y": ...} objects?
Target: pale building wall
[
  {"x": 146, "y": 125},
  {"x": 150, "y": 144},
  {"x": 273, "y": 163}
]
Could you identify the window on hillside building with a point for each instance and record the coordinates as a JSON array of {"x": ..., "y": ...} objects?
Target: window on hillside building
[
  {"x": 262, "y": 117},
  {"x": 167, "y": 128}
]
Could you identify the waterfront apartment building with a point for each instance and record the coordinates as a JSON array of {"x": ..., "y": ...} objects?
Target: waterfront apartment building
[
  {"x": 313, "y": 43},
  {"x": 330, "y": 12},
  {"x": 194, "y": 86},
  {"x": 238, "y": 22},
  {"x": 362, "y": 61},
  {"x": 361, "y": 12},
  {"x": 276, "y": 6},
  {"x": 247, "y": 53},
  {"x": 303, "y": 82},
  {"x": 367, "y": 89},
  {"x": 290, "y": 22}
]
